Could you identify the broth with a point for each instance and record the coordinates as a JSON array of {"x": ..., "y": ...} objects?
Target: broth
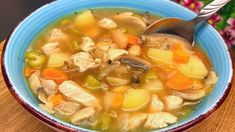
[{"x": 94, "y": 69}]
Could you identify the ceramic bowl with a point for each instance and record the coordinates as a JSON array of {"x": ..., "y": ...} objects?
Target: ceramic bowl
[{"x": 28, "y": 29}]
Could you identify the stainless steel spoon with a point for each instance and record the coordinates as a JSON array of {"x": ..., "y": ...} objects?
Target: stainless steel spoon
[{"x": 182, "y": 28}]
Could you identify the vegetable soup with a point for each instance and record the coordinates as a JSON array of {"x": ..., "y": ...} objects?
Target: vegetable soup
[{"x": 96, "y": 70}]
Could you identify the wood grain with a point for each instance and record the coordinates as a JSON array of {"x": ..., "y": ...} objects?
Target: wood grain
[{"x": 13, "y": 117}]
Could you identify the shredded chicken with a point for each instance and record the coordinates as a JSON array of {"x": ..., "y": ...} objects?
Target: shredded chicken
[
  {"x": 75, "y": 92},
  {"x": 87, "y": 44},
  {"x": 159, "y": 120},
  {"x": 107, "y": 23},
  {"x": 49, "y": 86},
  {"x": 50, "y": 48},
  {"x": 83, "y": 114},
  {"x": 84, "y": 61},
  {"x": 116, "y": 53},
  {"x": 57, "y": 35},
  {"x": 34, "y": 82},
  {"x": 156, "y": 105},
  {"x": 173, "y": 102},
  {"x": 66, "y": 108},
  {"x": 135, "y": 120}
]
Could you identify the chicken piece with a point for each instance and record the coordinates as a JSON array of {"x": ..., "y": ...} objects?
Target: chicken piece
[
  {"x": 57, "y": 35},
  {"x": 123, "y": 122},
  {"x": 84, "y": 61},
  {"x": 136, "y": 120},
  {"x": 156, "y": 105},
  {"x": 211, "y": 79},
  {"x": 87, "y": 44},
  {"x": 130, "y": 20},
  {"x": 116, "y": 53},
  {"x": 191, "y": 94},
  {"x": 34, "y": 82},
  {"x": 49, "y": 86},
  {"x": 173, "y": 102},
  {"x": 107, "y": 23},
  {"x": 50, "y": 48},
  {"x": 83, "y": 114},
  {"x": 75, "y": 92},
  {"x": 66, "y": 108},
  {"x": 159, "y": 120}
]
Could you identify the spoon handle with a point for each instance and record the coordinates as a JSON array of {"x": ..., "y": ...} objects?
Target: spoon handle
[{"x": 210, "y": 9}]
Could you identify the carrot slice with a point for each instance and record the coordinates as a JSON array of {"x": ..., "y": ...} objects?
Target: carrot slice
[
  {"x": 29, "y": 71},
  {"x": 117, "y": 101},
  {"x": 56, "y": 99},
  {"x": 180, "y": 57},
  {"x": 55, "y": 74},
  {"x": 132, "y": 39},
  {"x": 179, "y": 82}
]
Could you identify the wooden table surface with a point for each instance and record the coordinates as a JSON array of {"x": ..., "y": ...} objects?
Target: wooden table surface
[{"x": 13, "y": 117}]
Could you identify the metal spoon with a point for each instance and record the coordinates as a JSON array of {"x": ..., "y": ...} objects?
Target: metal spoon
[{"x": 182, "y": 28}]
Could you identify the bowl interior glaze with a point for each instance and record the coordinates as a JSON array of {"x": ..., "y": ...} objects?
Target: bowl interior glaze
[{"x": 28, "y": 29}]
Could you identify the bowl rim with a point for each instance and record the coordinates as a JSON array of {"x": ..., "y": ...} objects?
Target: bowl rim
[{"x": 56, "y": 125}]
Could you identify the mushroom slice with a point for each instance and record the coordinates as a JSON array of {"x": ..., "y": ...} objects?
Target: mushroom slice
[
  {"x": 191, "y": 103},
  {"x": 42, "y": 95},
  {"x": 47, "y": 108},
  {"x": 49, "y": 86},
  {"x": 190, "y": 95},
  {"x": 156, "y": 105},
  {"x": 135, "y": 62},
  {"x": 131, "y": 20},
  {"x": 83, "y": 114},
  {"x": 75, "y": 92},
  {"x": 115, "y": 81},
  {"x": 159, "y": 120},
  {"x": 66, "y": 108},
  {"x": 34, "y": 82},
  {"x": 173, "y": 102}
]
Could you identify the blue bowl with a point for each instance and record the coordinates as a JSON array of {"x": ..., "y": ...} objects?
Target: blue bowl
[{"x": 28, "y": 29}]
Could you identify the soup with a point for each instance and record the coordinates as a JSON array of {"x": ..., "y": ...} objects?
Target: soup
[{"x": 95, "y": 70}]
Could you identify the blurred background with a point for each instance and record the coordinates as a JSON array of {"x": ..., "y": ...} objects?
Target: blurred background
[{"x": 13, "y": 11}]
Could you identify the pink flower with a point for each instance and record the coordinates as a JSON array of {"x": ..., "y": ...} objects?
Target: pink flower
[
  {"x": 214, "y": 19},
  {"x": 193, "y": 5},
  {"x": 229, "y": 33}
]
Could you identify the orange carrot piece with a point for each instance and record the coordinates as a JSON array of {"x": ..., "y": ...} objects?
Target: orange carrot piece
[
  {"x": 56, "y": 99},
  {"x": 179, "y": 82},
  {"x": 132, "y": 39},
  {"x": 117, "y": 101},
  {"x": 55, "y": 74},
  {"x": 180, "y": 57},
  {"x": 29, "y": 71}
]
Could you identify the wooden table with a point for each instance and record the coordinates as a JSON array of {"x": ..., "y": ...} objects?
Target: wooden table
[{"x": 13, "y": 117}]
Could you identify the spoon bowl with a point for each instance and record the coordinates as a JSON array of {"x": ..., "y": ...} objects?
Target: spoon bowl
[{"x": 182, "y": 28}]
